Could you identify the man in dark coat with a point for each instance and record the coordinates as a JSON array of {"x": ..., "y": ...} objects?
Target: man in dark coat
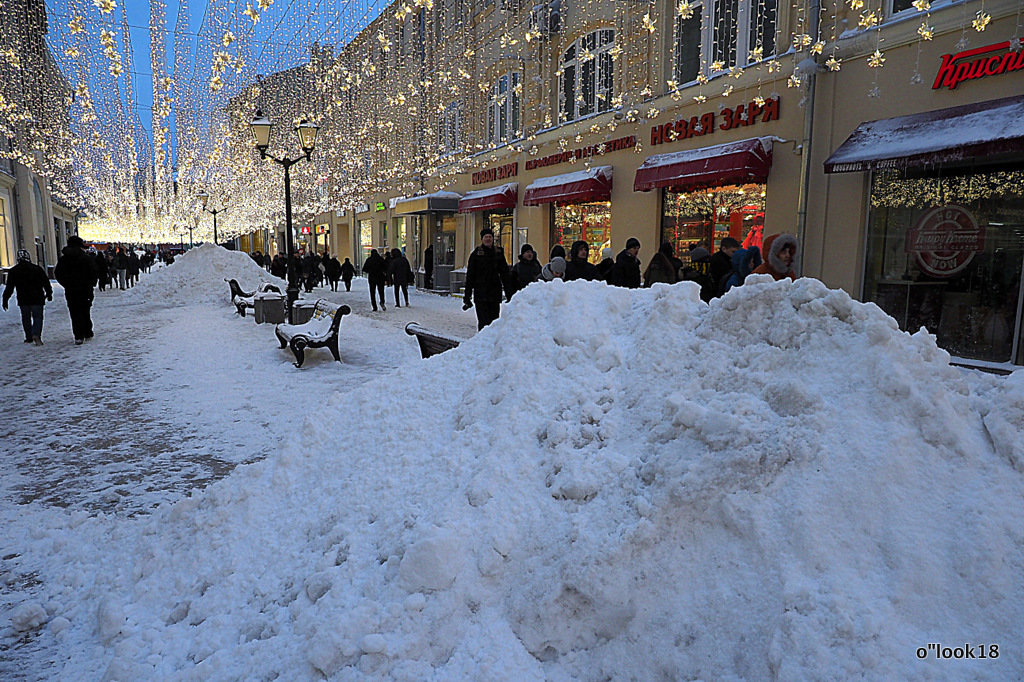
[
  {"x": 578, "y": 266},
  {"x": 486, "y": 275},
  {"x": 428, "y": 267},
  {"x": 374, "y": 270},
  {"x": 721, "y": 263},
  {"x": 626, "y": 271},
  {"x": 526, "y": 271},
  {"x": 332, "y": 268},
  {"x": 400, "y": 273},
  {"x": 348, "y": 271},
  {"x": 33, "y": 287},
  {"x": 76, "y": 272}
]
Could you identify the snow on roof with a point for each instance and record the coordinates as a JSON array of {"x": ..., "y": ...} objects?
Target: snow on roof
[
  {"x": 934, "y": 131},
  {"x": 576, "y": 176},
  {"x": 491, "y": 191},
  {"x": 682, "y": 156}
]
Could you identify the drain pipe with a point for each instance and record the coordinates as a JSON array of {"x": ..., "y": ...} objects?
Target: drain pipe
[{"x": 810, "y": 67}]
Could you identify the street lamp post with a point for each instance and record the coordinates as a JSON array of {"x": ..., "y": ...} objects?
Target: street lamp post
[
  {"x": 190, "y": 242},
  {"x": 261, "y": 127},
  {"x": 205, "y": 198}
]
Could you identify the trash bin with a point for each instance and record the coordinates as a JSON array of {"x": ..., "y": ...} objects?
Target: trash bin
[
  {"x": 302, "y": 311},
  {"x": 268, "y": 307}
]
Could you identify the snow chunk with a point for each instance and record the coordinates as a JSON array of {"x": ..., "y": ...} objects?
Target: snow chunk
[{"x": 28, "y": 616}]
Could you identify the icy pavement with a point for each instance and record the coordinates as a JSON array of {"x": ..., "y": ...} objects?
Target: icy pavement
[{"x": 168, "y": 397}]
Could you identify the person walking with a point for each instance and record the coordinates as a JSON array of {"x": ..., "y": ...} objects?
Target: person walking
[
  {"x": 553, "y": 270},
  {"x": 525, "y": 272},
  {"x": 279, "y": 266},
  {"x": 780, "y": 253},
  {"x": 121, "y": 264},
  {"x": 578, "y": 266},
  {"x": 77, "y": 274},
  {"x": 400, "y": 273},
  {"x": 33, "y": 287},
  {"x": 662, "y": 267},
  {"x": 374, "y": 270},
  {"x": 102, "y": 270},
  {"x": 604, "y": 268},
  {"x": 428, "y": 267},
  {"x": 744, "y": 261},
  {"x": 134, "y": 267},
  {"x": 348, "y": 271},
  {"x": 721, "y": 263},
  {"x": 626, "y": 271},
  {"x": 486, "y": 276},
  {"x": 333, "y": 270}
]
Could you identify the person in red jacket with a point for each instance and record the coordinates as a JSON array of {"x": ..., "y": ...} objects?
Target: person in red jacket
[{"x": 780, "y": 254}]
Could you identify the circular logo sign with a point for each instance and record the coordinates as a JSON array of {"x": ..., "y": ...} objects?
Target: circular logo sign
[{"x": 944, "y": 240}]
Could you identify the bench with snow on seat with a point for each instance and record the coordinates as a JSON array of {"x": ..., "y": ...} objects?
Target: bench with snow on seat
[
  {"x": 431, "y": 342},
  {"x": 321, "y": 331},
  {"x": 242, "y": 300}
]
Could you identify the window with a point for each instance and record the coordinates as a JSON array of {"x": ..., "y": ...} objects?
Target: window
[
  {"x": 449, "y": 129},
  {"x": 723, "y": 34},
  {"x": 586, "y": 76},
  {"x": 503, "y": 111},
  {"x": 687, "y": 45},
  {"x": 901, "y": 5}
]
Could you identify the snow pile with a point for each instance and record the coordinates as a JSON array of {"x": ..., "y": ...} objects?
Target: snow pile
[
  {"x": 197, "y": 276},
  {"x": 603, "y": 484}
]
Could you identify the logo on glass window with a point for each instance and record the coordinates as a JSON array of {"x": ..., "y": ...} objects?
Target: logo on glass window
[{"x": 944, "y": 240}]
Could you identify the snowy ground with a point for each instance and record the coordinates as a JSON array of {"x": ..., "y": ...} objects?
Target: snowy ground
[{"x": 603, "y": 484}]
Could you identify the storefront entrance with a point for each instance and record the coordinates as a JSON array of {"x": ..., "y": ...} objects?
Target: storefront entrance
[
  {"x": 590, "y": 222},
  {"x": 501, "y": 222},
  {"x": 945, "y": 251}
]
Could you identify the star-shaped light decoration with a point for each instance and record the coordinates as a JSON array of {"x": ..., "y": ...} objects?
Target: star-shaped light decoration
[
  {"x": 684, "y": 9},
  {"x": 105, "y": 6},
  {"x": 252, "y": 14},
  {"x": 925, "y": 31},
  {"x": 876, "y": 60},
  {"x": 981, "y": 21}
]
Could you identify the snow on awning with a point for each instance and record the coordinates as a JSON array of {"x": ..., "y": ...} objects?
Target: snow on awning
[
  {"x": 594, "y": 184},
  {"x": 731, "y": 163},
  {"x": 502, "y": 196},
  {"x": 991, "y": 130},
  {"x": 439, "y": 202}
]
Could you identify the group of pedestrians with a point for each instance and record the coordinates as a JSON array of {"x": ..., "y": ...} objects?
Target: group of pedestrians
[
  {"x": 489, "y": 279},
  {"x": 392, "y": 269},
  {"x": 79, "y": 270}
]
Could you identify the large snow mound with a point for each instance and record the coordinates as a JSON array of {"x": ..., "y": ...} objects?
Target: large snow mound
[
  {"x": 197, "y": 276},
  {"x": 603, "y": 484}
]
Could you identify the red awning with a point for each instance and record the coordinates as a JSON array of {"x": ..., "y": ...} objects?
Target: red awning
[
  {"x": 502, "y": 196},
  {"x": 989, "y": 131},
  {"x": 732, "y": 163},
  {"x": 594, "y": 184}
]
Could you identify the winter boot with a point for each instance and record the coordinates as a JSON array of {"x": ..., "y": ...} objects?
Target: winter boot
[{"x": 36, "y": 340}]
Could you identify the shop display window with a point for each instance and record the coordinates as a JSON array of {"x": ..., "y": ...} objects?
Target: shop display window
[
  {"x": 945, "y": 251},
  {"x": 365, "y": 239},
  {"x": 702, "y": 217},
  {"x": 591, "y": 222},
  {"x": 444, "y": 252},
  {"x": 501, "y": 223}
]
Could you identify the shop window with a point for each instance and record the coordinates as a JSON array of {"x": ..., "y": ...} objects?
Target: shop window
[
  {"x": 945, "y": 252},
  {"x": 703, "y": 217},
  {"x": 449, "y": 129},
  {"x": 501, "y": 223},
  {"x": 365, "y": 240},
  {"x": 6, "y": 245},
  {"x": 503, "y": 110},
  {"x": 590, "y": 222},
  {"x": 444, "y": 252},
  {"x": 586, "y": 76}
]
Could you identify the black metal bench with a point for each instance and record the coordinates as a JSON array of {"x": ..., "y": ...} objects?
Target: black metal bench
[
  {"x": 431, "y": 342},
  {"x": 321, "y": 331},
  {"x": 242, "y": 300}
]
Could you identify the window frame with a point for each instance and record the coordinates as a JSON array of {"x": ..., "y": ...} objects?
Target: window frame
[
  {"x": 450, "y": 129},
  {"x": 738, "y": 54},
  {"x": 505, "y": 108},
  {"x": 602, "y": 75}
]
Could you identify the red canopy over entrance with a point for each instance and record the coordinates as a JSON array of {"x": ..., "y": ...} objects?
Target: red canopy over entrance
[
  {"x": 502, "y": 196},
  {"x": 594, "y": 184},
  {"x": 732, "y": 163}
]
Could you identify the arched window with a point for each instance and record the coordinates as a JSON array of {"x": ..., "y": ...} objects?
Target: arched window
[
  {"x": 586, "y": 76},
  {"x": 503, "y": 110}
]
